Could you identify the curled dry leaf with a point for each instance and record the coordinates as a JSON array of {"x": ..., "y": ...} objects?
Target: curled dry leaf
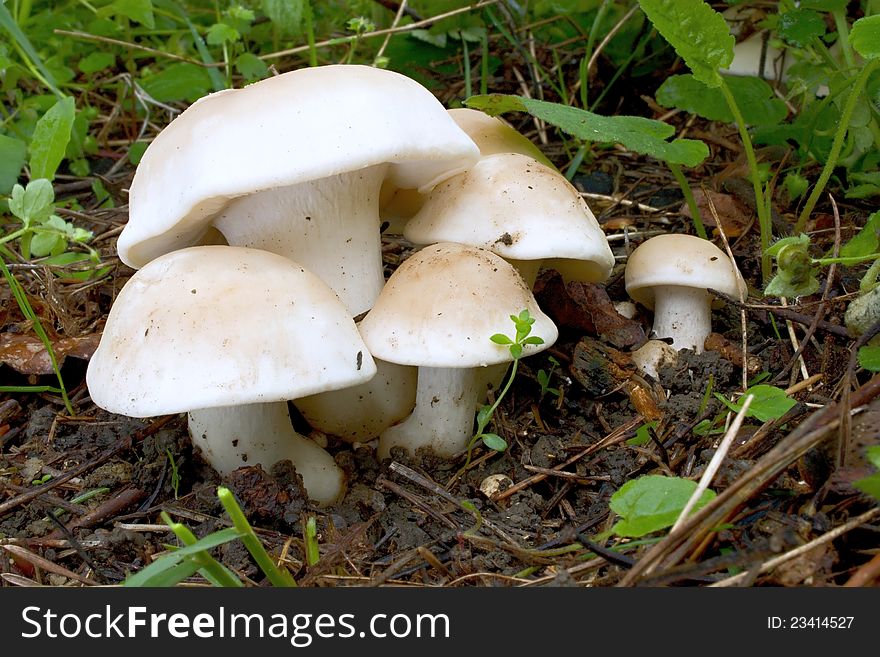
[{"x": 27, "y": 354}]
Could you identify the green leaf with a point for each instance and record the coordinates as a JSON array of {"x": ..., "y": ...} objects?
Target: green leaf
[
  {"x": 871, "y": 485},
  {"x": 136, "y": 152},
  {"x": 182, "y": 81},
  {"x": 864, "y": 37},
  {"x": 96, "y": 61},
  {"x": 533, "y": 339},
  {"x": 643, "y": 434},
  {"x": 516, "y": 351},
  {"x": 251, "y": 67},
  {"x": 500, "y": 338},
  {"x": 866, "y": 241},
  {"x": 286, "y": 15},
  {"x": 140, "y": 11},
  {"x": 13, "y": 155},
  {"x": 220, "y": 33},
  {"x": 494, "y": 441},
  {"x": 869, "y": 358},
  {"x": 49, "y": 141},
  {"x": 45, "y": 243},
  {"x": 796, "y": 185},
  {"x": 699, "y": 34},
  {"x": 800, "y": 26},
  {"x": 652, "y": 503},
  {"x": 769, "y": 403},
  {"x": 801, "y": 240},
  {"x": 169, "y": 562},
  {"x": 636, "y": 133},
  {"x": 755, "y": 98},
  {"x": 33, "y": 204}
]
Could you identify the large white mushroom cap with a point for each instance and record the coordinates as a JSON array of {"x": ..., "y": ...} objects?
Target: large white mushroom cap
[
  {"x": 520, "y": 209},
  {"x": 297, "y": 127},
  {"x": 214, "y": 326}
]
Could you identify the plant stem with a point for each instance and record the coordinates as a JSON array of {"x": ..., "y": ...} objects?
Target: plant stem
[
  {"x": 309, "y": 18},
  {"x": 689, "y": 197},
  {"x": 837, "y": 144},
  {"x": 212, "y": 569},
  {"x": 762, "y": 207},
  {"x": 252, "y": 542}
]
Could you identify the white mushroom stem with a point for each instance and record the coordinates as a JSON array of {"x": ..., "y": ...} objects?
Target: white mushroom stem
[
  {"x": 443, "y": 419},
  {"x": 330, "y": 226},
  {"x": 234, "y": 436},
  {"x": 683, "y": 314},
  {"x": 360, "y": 413}
]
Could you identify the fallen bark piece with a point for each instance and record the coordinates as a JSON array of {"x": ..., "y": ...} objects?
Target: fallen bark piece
[
  {"x": 602, "y": 369},
  {"x": 586, "y": 307},
  {"x": 733, "y": 352}
]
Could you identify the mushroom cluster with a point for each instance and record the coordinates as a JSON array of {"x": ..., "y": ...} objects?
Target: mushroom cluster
[{"x": 255, "y": 221}]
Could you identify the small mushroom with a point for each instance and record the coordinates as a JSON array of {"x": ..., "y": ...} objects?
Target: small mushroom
[
  {"x": 228, "y": 334},
  {"x": 438, "y": 311},
  {"x": 524, "y": 211},
  {"x": 671, "y": 274},
  {"x": 491, "y": 134}
]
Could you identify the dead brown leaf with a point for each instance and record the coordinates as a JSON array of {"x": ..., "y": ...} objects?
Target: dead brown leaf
[{"x": 27, "y": 354}]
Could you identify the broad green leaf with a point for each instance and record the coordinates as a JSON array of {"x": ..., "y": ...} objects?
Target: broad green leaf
[
  {"x": 220, "y": 33},
  {"x": 869, "y": 358},
  {"x": 500, "y": 338},
  {"x": 96, "y": 61},
  {"x": 824, "y": 5},
  {"x": 45, "y": 243},
  {"x": 33, "y": 204},
  {"x": 800, "y": 26},
  {"x": 251, "y": 67},
  {"x": 769, "y": 403},
  {"x": 178, "y": 82},
  {"x": 652, "y": 503},
  {"x": 13, "y": 155},
  {"x": 78, "y": 273},
  {"x": 636, "y": 133},
  {"x": 755, "y": 98},
  {"x": 286, "y": 15},
  {"x": 50, "y": 138},
  {"x": 140, "y": 11},
  {"x": 864, "y": 37},
  {"x": 699, "y": 34},
  {"x": 868, "y": 184},
  {"x": 866, "y": 241}
]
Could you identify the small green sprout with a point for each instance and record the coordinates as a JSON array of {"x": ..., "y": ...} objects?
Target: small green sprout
[
  {"x": 544, "y": 376},
  {"x": 523, "y": 327}
]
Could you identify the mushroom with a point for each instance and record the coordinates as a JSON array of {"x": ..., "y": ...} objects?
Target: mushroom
[
  {"x": 228, "y": 334},
  {"x": 360, "y": 413},
  {"x": 491, "y": 134},
  {"x": 293, "y": 164},
  {"x": 520, "y": 209},
  {"x": 438, "y": 311},
  {"x": 671, "y": 274}
]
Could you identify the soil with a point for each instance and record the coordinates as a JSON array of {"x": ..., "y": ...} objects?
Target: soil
[{"x": 421, "y": 520}]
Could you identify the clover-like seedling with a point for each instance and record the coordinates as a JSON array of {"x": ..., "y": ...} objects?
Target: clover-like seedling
[{"x": 523, "y": 328}]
